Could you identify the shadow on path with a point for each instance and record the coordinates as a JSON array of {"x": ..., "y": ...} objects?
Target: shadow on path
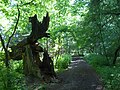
[{"x": 79, "y": 76}]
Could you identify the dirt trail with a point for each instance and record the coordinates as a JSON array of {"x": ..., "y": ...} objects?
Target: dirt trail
[{"x": 79, "y": 76}]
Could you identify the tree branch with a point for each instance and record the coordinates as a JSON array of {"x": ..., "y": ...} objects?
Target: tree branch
[
  {"x": 14, "y": 28},
  {"x": 27, "y": 3},
  {"x": 111, "y": 13},
  {"x": 6, "y": 52},
  {"x": 2, "y": 41}
]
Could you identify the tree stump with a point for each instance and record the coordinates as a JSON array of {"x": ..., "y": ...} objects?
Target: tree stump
[
  {"x": 30, "y": 66},
  {"x": 28, "y": 50}
]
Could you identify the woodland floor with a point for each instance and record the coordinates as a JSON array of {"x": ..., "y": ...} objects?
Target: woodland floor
[{"x": 79, "y": 76}]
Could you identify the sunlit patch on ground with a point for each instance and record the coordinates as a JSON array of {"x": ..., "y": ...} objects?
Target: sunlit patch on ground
[{"x": 75, "y": 63}]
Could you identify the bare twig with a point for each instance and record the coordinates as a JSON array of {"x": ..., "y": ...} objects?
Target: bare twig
[{"x": 14, "y": 28}]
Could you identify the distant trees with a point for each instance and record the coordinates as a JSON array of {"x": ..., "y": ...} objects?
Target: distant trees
[
  {"x": 103, "y": 22},
  {"x": 81, "y": 26}
]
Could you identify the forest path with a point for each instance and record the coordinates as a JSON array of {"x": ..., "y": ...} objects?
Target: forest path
[{"x": 79, "y": 76}]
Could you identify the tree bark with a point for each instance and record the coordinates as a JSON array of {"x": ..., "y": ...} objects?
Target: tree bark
[{"x": 30, "y": 66}]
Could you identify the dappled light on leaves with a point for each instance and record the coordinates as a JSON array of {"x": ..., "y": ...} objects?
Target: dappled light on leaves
[{"x": 85, "y": 28}]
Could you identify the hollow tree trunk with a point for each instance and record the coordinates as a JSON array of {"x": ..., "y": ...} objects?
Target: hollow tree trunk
[
  {"x": 30, "y": 65},
  {"x": 47, "y": 65}
]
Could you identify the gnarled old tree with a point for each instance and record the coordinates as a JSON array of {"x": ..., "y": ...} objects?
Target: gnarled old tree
[{"x": 28, "y": 50}]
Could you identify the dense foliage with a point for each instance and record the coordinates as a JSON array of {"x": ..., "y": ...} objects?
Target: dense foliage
[{"x": 77, "y": 27}]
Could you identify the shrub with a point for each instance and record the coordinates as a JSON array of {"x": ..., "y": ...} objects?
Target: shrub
[
  {"x": 110, "y": 77},
  {"x": 63, "y": 61},
  {"x": 12, "y": 78},
  {"x": 97, "y": 60}
]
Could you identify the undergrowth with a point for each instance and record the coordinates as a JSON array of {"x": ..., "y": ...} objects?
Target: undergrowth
[
  {"x": 12, "y": 78},
  {"x": 110, "y": 75},
  {"x": 62, "y": 62}
]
